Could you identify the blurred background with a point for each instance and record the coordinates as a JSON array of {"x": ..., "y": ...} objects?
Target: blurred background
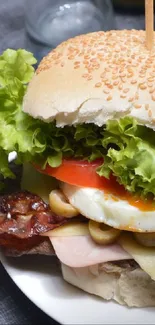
[{"x": 40, "y": 25}]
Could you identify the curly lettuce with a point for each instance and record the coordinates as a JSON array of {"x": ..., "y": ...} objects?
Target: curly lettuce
[
  {"x": 128, "y": 149},
  {"x": 131, "y": 156},
  {"x": 15, "y": 72}
]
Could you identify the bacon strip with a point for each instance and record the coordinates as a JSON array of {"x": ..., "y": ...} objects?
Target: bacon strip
[{"x": 24, "y": 215}]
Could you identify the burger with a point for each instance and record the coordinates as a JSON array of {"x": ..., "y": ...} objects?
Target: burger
[{"x": 82, "y": 125}]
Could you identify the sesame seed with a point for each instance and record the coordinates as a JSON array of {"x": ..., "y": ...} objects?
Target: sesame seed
[
  {"x": 126, "y": 90},
  {"x": 137, "y": 105},
  {"x": 109, "y": 98},
  {"x": 129, "y": 75},
  {"x": 99, "y": 84},
  {"x": 93, "y": 60},
  {"x": 107, "y": 83},
  {"x": 102, "y": 75},
  {"x": 110, "y": 86},
  {"x": 151, "y": 91},
  {"x": 130, "y": 99},
  {"x": 106, "y": 91},
  {"x": 123, "y": 96},
  {"x": 149, "y": 113},
  {"x": 136, "y": 96},
  {"x": 122, "y": 74},
  {"x": 121, "y": 70},
  {"x": 153, "y": 97},
  {"x": 146, "y": 106},
  {"x": 123, "y": 79},
  {"x": 86, "y": 56},
  {"x": 142, "y": 86},
  {"x": 133, "y": 81},
  {"x": 130, "y": 69},
  {"x": 116, "y": 83},
  {"x": 85, "y": 75},
  {"x": 97, "y": 66},
  {"x": 150, "y": 84}
]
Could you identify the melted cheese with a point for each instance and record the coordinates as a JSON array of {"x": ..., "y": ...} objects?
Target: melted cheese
[
  {"x": 72, "y": 228},
  {"x": 144, "y": 256}
]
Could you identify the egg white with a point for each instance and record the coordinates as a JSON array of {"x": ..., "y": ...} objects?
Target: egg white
[{"x": 97, "y": 205}]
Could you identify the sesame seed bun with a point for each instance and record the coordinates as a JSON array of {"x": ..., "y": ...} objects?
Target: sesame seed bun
[{"x": 95, "y": 77}]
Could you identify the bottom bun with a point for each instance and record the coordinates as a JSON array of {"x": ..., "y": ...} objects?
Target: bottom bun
[{"x": 123, "y": 281}]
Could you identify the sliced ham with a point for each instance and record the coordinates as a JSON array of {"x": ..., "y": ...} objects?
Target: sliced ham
[{"x": 81, "y": 251}]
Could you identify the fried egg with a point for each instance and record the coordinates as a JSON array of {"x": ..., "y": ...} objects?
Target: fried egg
[{"x": 107, "y": 208}]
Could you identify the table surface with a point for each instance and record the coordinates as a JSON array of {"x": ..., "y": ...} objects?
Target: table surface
[{"x": 15, "y": 308}]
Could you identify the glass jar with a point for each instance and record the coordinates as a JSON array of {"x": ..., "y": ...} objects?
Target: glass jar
[{"x": 49, "y": 22}]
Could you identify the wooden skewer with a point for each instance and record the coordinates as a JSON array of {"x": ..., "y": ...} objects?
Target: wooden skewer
[{"x": 149, "y": 23}]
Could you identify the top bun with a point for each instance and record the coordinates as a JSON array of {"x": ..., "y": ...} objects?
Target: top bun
[{"x": 95, "y": 77}]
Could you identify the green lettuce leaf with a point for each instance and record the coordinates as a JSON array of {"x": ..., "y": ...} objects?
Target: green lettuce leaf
[
  {"x": 131, "y": 155},
  {"x": 15, "y": 72}
]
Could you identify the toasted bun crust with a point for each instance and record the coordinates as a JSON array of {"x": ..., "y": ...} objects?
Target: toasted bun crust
[
  {"x": 95, "y": 77},
  {"x": 128, "y": 285}
]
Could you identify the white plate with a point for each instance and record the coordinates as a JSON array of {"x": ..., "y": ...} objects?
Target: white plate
[{"x": 40, "y": 279}]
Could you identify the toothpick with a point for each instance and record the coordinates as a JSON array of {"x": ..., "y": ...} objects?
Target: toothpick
[{"x": 149, "y": 23}]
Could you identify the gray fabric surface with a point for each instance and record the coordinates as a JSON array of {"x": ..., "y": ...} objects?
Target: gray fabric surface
[
  {"x": 11, "y": 24},
  {"x": 15, "y": 308}
]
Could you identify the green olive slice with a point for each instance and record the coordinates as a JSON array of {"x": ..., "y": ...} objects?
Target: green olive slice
[
  {"x": 103, "y": 234},
  {"x": 60, "y": 206},
  {"x": 145, "y": 239}
]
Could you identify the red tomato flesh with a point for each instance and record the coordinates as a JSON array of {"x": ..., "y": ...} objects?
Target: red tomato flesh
[{"x": 82, "y": 173}]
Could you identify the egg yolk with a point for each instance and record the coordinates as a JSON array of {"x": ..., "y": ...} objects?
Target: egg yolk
[{"x": 119, "y": 193}]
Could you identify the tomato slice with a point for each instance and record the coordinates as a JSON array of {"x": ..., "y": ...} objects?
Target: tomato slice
[{"x": 81, "y": 173}]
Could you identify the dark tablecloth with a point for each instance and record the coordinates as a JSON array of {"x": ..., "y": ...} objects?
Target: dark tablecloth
[{"x": 15, "y": 308}]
